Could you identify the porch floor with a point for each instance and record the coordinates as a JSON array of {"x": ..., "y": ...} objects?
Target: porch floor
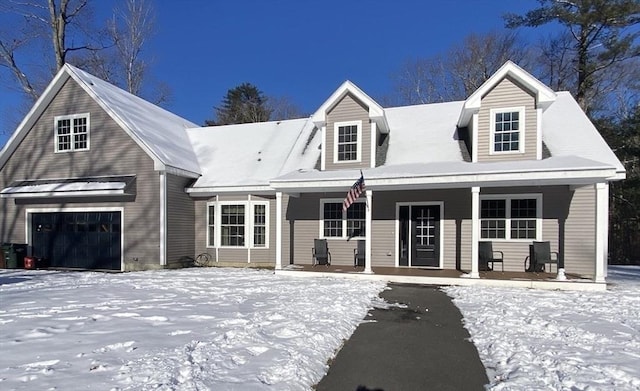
[{"x": 415, "y": 275}]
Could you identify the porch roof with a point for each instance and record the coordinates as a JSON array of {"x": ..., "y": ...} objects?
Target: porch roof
[
  {"x": 75, "y": 187},
  {"x": 571, "y": 170}
]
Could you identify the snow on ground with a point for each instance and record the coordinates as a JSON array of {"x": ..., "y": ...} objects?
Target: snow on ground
[
  {"x": 534, "y": 339},
  {"x": 190, "y": 329},
  {"x": 236, "y": 329}
]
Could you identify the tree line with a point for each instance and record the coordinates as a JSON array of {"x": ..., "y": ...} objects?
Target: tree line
[{"x": 594, "y": 53}]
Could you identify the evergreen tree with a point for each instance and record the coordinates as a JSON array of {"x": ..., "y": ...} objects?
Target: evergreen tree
[
  {"x": 242, "y": 104},
  {"x": 603, "y": 37}
]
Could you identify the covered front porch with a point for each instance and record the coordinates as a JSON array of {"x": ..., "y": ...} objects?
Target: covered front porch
[
  {"x": 452, "y": 212},
  {"x": 542, "y": 280}
]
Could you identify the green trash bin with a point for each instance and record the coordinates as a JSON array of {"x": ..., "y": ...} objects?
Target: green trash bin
[{"x": 14, "y": 254}]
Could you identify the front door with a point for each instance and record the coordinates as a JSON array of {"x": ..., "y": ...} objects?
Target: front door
[{"x": 419, "y": 236}]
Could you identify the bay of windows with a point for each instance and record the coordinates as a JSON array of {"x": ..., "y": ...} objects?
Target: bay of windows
[{"x": 238, "y": 224}]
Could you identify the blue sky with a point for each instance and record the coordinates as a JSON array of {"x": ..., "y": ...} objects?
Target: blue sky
[{"x": 301, "y": 49}]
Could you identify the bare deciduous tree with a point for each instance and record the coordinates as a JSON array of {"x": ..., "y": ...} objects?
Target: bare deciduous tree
[
  {"x": 37, "y": 20},
  {"x": 455, "y": 74}
]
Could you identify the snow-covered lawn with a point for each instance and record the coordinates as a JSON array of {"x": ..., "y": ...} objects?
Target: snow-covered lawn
[
  {"x": 233, "y": 329},
  {"x": 533, "y": 339},
  {"x": 190, "y": 329}
]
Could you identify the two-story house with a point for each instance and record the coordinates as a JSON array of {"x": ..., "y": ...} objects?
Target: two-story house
[{"x": 514, "y": 163}]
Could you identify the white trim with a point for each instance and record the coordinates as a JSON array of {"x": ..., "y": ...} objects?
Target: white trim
[
  {"x": 376, "y": 112},
  {"x": 545, "y": 96},
  {"x": 72, "y": 134},
  {"x": 336, "y": 126},
  {"x": 249, "y": 216},
  {"x": 374, "y": 140},
  {"x": 475, "y": 231},
  {"x": 323, "y": 149},
  {"x": 279, "y": 230},
  {"x": 474, "y": 136},
  {"x": 163, "y": 218},
  {"x": 65, "y": 194},
  {"x": 539, "y": 133},
  {"x": 368, "y": 260},
  {"x": 602, "y": 217},
  {"x": 411, "y": 204},
  {"x": 345, "y": 234},
  {"x": 28, "y": 228},
  {"x": 528, "y": 178},
  {"x": 211, "y": 191},
  {"x": 508, "y": 198},
  {"x": 521, "y": 110}
]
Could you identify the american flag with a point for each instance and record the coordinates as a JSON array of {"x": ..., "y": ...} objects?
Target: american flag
[{"x": 353, "y": 193}]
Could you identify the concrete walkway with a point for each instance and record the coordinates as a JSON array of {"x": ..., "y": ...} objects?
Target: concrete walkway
[{"x": 421, "y": 347}]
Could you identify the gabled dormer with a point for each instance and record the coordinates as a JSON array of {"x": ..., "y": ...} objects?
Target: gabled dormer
[
  {"x": 351, "y": 124},
  {"x": 504, "y": 116}
]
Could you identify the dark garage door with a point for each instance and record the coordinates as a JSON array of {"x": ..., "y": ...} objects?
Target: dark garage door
[{"x": 87, "y": 240}]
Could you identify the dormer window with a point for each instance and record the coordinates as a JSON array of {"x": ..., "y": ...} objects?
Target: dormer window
[
  {"x": 507, "y": 130},
  {"x": 72, "y": 132},
  {"x": 348, "y": 141}
]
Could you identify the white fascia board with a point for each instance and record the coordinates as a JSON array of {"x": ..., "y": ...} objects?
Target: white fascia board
[
  {"x": 461, "y": 180},
  {"x": 65, "y": 194},
  {"x": 376, "y": 112},
  {"x": 176, "y": 171},
  {"x": 213, "y": 190},
  {"x": 32, "y": 116},
  {"x": 544, "y": 95}
]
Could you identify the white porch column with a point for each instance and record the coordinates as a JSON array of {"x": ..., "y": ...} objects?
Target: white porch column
[
  {"x": 367, "y": 228},
  {"x": 475, "y": 230},
  {"x": 278, "y": 230},
  {"x": 602, "y": 230}
]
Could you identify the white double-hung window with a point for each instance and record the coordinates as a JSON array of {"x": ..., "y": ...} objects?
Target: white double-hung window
[
  {"x": 507, "y": 130},
  {"x": 511, "y": 217},
  {"x": 238, "y": 224},
  {"x": 347, "y": 141},
  {"x": 338, "y": 224},
  {"x": 71, "y": 132}
]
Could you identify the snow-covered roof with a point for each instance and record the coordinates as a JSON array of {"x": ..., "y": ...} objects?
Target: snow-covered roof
[
  {"x": 160, "y": 133},
  {"x": 249, "y": 155},
  {"x": 568, "y": 132},
  {"x": 423, "y": 133}
]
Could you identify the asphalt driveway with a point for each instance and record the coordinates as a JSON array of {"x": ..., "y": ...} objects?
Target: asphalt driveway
[{"x": 421, "y": 347}]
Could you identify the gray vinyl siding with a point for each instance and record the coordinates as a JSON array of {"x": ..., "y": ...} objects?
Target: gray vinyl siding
[
  {"x": 303, "y": 217},
  {"x": 507, "y": 94},
  {"x": 180, "y": 216},
  {"x": 348, "y": 109},
  {"x": 580, "y": 232},
  {"x": 455, "y": 227},
  {"x": 242, "y": 256},
  {"x": 568, "y": 223},
  {"x": 112, "y": 152}
]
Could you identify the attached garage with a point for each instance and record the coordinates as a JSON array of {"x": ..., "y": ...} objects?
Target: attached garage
[{"x": 82, "y": 240}]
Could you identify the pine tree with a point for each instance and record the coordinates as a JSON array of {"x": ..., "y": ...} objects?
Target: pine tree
[{"x": 242, "y": 104}]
